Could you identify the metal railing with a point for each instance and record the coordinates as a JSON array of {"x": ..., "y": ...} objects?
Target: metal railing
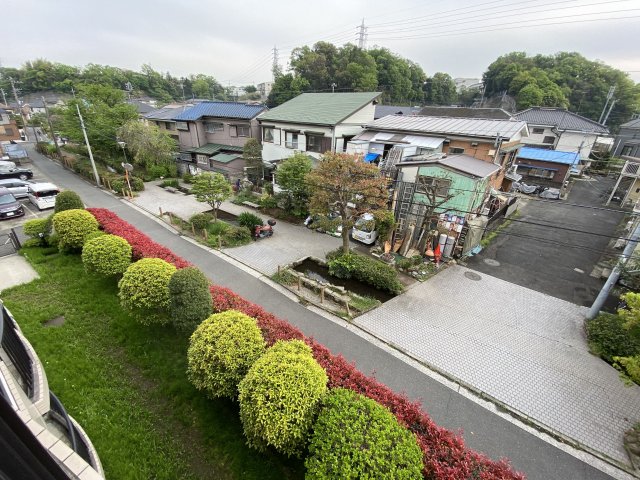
[
  {"x": 75, "y": 438},
  {"x": 17, "y": 352}
]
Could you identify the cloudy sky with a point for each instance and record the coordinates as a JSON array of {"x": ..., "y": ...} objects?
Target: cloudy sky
[{"x": 233, "y": 40}]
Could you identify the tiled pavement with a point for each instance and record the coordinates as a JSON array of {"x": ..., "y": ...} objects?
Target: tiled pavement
[
  {"x": 288, "y": 244},
  {"x": 525, "y": 349}
]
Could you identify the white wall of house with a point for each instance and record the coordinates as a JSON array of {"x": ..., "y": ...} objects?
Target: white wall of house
[
  {"x": 537, "y": 134},
  {"x": 278, "y": 149},
  {"x": 577, "y": 142}
]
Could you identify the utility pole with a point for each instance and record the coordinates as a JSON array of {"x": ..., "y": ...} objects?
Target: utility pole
[
  {"x": 333, "y": 87},
  {"x": 53, "y": 135},
  {"x": 86, "y": 140},
  {"x": 362, "y": 36},
  {"x": 275, "y": 67},
  {"x": 15, "y": 95},
  {"x": 615, "y": 274},
  {"x": 4, "y": 97},
  {"x": 604, "y": 122},
  {"x": 612, "y": 89}
]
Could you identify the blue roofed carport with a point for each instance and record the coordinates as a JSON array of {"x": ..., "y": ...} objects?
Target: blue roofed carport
[{"x": 553, "y": 156}]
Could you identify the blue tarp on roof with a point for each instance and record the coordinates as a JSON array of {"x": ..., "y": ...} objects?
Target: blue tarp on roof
[
  {"x": 220, "y": 110},
  {"x": 553, "y": 156},
  {"x": 371, "y": 157}
]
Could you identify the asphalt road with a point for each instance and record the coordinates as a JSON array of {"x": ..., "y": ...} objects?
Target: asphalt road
[
  {"x": 485, "y": 431},
  {"x": 553, "y": 259}
]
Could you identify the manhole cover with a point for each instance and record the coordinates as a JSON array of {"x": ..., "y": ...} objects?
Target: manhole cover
[
  {"x": 54, "y": 322},
  {"x": 472, "y": 276},
  {"x": 492, "y": 262}
]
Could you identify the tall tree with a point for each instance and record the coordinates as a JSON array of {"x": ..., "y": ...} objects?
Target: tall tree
[
  {"x": 349, "y": 186},
  {"x": 213, "y": 189},
  {"x": 291, "y": 177},
  {"x": 148, "y": 144},
  {"x": 252, "y": 155},
  {"x": 440, "y": 89},
  {"x": 285, "y": 88}
]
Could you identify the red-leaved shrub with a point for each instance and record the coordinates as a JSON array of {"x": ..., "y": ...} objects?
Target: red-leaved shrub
[
  {"x": 444, "y": 453},
  {"x": 141, "y": 245}
]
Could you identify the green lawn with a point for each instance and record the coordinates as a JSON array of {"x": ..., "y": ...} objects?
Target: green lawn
[{"x": 126, "y": 384}]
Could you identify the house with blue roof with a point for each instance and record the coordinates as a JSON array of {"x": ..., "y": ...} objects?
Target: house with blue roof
[
  {"x": 546, "y": 167},
  {"x": 211, "y": 136}
]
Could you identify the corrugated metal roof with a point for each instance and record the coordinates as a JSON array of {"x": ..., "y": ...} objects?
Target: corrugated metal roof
[
  {"x": 560, "y": 118},
  {"x": 384, "y": 110},
  {"x": 164, "y": 114},
  {"x": 632, "y": 124},
  {"x": 554, "y": 156},
  {"x": 464, "y": 112},
  {"x": 474, "y": 127},
  {"x": 213, "y": 148},
  {"x": 420, "y": 140},
  {"x": 220, "y": 110},
  {"x": 470, "y": 165},
  {"x": 319, "y": 108},
  {"x": 225, "y": 157}
]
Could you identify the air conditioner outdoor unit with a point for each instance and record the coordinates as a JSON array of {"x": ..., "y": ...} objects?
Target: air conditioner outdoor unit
[{"x": 491, "y": 153}]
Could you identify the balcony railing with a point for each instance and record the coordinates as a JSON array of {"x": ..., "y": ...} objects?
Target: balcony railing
[
  {"x": 75, "y": 438},
  {"x": 17, "y": 352},
  {"x": 632, "y": 168}
]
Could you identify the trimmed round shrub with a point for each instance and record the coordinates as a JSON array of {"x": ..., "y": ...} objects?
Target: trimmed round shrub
[
  {"x": 68, "y": 200},
  {"x": 189, "y": 298},
  {"x": 73, "y": 227},
  {"x": 280, "y": 396},
  {"x": 144, "y": 290},
  {"x": 107, "y": 255},
  {"x": 39, "y": 229},
  {"x": 356, "y": 437},
  {"x": 200, "y": 221},
  {"x": 222, "y": 350}
]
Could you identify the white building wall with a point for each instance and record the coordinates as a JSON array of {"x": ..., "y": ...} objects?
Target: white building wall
[
  {"x": 572, "y": 141},
  {"x": 537, "y": 138}
]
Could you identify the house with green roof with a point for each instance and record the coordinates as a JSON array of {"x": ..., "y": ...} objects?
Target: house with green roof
[{"x": 315, "y": 123}]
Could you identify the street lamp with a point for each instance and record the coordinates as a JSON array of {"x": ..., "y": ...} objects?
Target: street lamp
[{"x": 126, "y": 165}]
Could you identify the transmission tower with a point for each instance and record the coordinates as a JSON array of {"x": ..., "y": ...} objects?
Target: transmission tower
[
  {"x": 275, "y": 68},
  {"x": 362, "y": 36}
]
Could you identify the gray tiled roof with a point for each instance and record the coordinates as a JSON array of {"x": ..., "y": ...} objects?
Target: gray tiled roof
[
  {"x": 220, "y": 110},
  {"x": 635, "y": 123},
  {"x": 474, "y": 127},
  {"x": 464, "y": 112},
  {"x": 384, "y": 110},
  {"x": 165, "y": 114},
  {"x": 560, "y": 118},
  {"x": 470, "y": 165}
]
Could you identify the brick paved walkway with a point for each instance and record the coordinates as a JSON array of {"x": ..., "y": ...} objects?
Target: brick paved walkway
[{"x": 523, "y": 348}]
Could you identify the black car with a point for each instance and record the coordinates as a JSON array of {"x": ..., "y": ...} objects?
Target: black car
[
  {"x": 9, "y": 206},
  {"x": 17, "y": 172}
]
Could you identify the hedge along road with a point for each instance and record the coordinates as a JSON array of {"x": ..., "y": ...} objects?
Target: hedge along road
[{"x": 485, "y": 431}]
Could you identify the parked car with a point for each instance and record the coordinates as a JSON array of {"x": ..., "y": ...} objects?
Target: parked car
[
  {"x": 9, "y": 206},
  {"x": 364, "y": 230},
  {"x": 550, "y": 193},
  {"x": 330, "y": 224},
  {"x": 43, "y": 195},
  {"x": 18, "y": 187},
  {"x": 7, "y": 171}
]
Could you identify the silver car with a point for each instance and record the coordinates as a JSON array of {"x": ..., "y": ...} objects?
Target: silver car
[{"x": 16, "y": 186}]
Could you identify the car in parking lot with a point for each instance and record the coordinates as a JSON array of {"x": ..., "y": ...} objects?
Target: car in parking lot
[
  {"x": 9, "y": 171},
  {"x": 9, "y": 206},
  {"x": 16, "y": 186},
  {"x": 43, "y": 195}
]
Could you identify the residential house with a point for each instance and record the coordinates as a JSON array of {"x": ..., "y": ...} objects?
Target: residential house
[
  {"x": 546, "y": 167},
  {"x": 8, "y": 127},
  {"x": 465, "y": 112},
  {"x": 163, "y": 119},
  {"x": 463, "y": 84},
  {"x": 211, "y": 136},
  {"x": 559, "y": 129},
  {"x": 627, "y": 141},
  {"x": 394, "y": 139},
  {"x": 384, "y": 110},
  {"x": 443, "y": 192},
  {"x": 40, "y": 439},
  {"x": 315, "y": 123}
]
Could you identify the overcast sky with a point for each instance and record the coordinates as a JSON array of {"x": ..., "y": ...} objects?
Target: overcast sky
[{"x": 233, "y": 40}]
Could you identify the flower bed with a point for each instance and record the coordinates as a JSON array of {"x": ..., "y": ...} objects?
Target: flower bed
[
  {"x": 444, "y": 453},
  {"x": 141, "y": 245}
]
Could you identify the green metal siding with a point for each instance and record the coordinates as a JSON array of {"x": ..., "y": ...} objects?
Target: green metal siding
[{"x": 468, "y": 191}]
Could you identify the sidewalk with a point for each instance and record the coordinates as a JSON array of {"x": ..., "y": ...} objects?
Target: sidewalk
[
  {"x": 288, "y": 244},
  {"x": 524, "y": 349}
]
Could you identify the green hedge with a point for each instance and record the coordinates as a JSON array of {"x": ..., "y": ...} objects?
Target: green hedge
[
  {"x": 73, "y": 227},
  {"x": 367, "y": 270},
  {"x": 144, "y": 290},
  {"x": 249, "y": 220},
  {"x": 108, "y": 255},
  {"x": 39, "y": 228},
  {"x": 279, "y": 397},
  {"x": 200, "y": 221},
  {"x": 609, "y": 338},
  {"x": 356, "y": 437},
  {"x": 189, "y": 299},
  {"x": 221, "y": 352},
  {"x": 68, "y": 200}
]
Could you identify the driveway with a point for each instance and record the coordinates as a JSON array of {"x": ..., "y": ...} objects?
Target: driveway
[
  {"x": 288, "y": 244},
  {"x": 555, "y": 259}
]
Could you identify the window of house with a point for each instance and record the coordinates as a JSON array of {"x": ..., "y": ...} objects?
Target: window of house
[
  {"x": 314, "y": 143},
  {"x": 537, "y": 131},
  {"x": 626, "y": 150},
  {"x": 212, "y": 127},
  {"x": 267, "y": 134},
  {"x": 424, "y": 150},
  {"x": 243, "y": 130},
  {"x": 291, "y": 140},
  {"x": 427, "y": 185},
  {"x": 203, "y": 160},
  {"x": 454, "y": 150},
  {"x": 549, "y": 139},
  {"x": 170, "y": 125},
  {"x": 537, "y": 172},
  {"x": 182, "y": 126}
]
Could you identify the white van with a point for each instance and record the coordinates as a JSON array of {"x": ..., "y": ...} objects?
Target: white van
[
  {"x": 364, "y": 230},
  {"x": 43, "y": 195}
]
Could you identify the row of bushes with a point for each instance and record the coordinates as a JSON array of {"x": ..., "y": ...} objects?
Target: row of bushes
[
  {"x": 443, "y": 453},
  {"x": 366, "y": 269}
]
